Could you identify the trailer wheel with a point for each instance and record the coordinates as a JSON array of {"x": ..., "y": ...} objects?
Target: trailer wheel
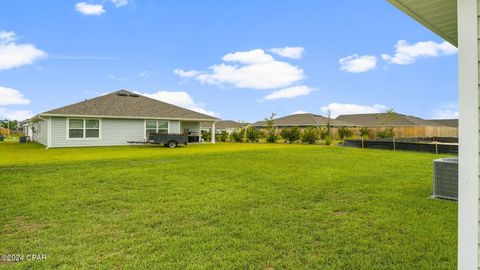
[{"x": 172, "y": 144}]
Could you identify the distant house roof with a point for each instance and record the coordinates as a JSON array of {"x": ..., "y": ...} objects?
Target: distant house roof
[
  {"x": 225, "y": 124},
  {"x": 125, "y": 104},
  {"x": 303, "y": 120},
  {"x": 384, "y": 119},
  {"x": 446, "y": 122}
]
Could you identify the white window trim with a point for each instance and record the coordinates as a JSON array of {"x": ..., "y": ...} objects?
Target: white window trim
[
  {"x": 156, "y": 126},
  {"x": 67, "y": 133}
]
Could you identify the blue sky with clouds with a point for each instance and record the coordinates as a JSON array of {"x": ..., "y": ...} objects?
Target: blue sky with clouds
[{"x": 239, "y": 60}]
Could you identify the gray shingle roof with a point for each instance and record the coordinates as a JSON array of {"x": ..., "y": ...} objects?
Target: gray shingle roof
[
  {"x": 126, "y": 104},
  {"x": 446, "y": 122},
  {"x": 303, "y": 120},
  {"x": 225, "y": 124},
  {"x": 384, "y": 119}
]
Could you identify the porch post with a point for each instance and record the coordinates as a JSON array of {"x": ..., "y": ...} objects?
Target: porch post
[
  {"x": 213, "y": 132},
  {"x": 468, "y": 134}
]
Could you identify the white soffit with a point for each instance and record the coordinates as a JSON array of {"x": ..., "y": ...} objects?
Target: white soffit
[{"x": 440, "y": 16}]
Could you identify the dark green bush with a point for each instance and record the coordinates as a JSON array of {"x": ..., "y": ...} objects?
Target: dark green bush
[
  {"x": 237, "y": 135},
  {"x": 344, "y": 133},
  {"x": 222, "y": 136},
  {"x": 253, "y": 135},
  {"x": 328, "y": 140},
  {"x": 206, "y": 135},
  {"x": 310, "y": 135},
  {"x": 290, "y": 135},
  {"x": 272, "y": 136}
]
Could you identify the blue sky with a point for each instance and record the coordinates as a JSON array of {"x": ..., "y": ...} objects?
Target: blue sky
[{"x": 217, "y": 57}]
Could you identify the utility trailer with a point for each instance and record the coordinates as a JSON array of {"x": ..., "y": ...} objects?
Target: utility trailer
[{"x": 168, "y": 140}]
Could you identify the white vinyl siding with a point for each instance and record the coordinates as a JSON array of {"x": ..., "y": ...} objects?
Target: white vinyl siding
[
  {"x": 175, "y": 127},
  {"x": 40, "y": 132}
]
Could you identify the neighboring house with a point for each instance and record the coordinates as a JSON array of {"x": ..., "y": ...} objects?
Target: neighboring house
[
  {"x": 403, "y": 125},
  {"x": 113, "y": 119},
  {"x": 303, "y": 120},
  {"x": 224, "y": 125},
  {"x": 385, "y": 119},
  {"x": 446, "y": 122}
]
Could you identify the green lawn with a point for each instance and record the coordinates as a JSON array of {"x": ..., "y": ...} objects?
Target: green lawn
[{"x": 223, "y": 206}]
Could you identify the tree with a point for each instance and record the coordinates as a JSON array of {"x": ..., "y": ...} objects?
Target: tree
[
  {"x": 252, "y": 134},
  {"x": 290, "y": 135},
  {"x": 237, "y": 135},
  {"x": 271, "y": 132},
  {"x": 344, "y": 132},
  {"x": 365, "y": 132},
  {"x": 385, "y": 121}
]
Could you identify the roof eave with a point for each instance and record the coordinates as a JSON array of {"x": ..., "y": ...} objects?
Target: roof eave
[
  {"x": 424, "y": 22},
  {"x": 213, "y": 119}
]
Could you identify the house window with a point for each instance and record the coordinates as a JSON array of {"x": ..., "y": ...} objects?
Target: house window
[
  {"x": 156, "y": 126},
  {"x": 83, "y": 128}
]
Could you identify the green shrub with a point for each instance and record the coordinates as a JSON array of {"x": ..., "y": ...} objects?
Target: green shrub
[
  {"x": 310, "y": 135},
  {"x": 272, "y": 136},
  {"x": 323, "y": 132},
  {"x": 365, "y": 132},
  {"x": 290, "y": 135},
  {"x": 237, "y": 135},
  {"x": 253, "y": 135},
  {"x": 222, "y": 136},
  {"x": 328, "y": 140},
  {"x": 207, "y": 135},
  {"x": 386, "y": 133},
  {"x": 344, "y": 132}
]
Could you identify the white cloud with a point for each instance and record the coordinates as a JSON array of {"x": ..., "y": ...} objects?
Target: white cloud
[
  {"x": 145, "y": 73},
  {"x": 257, "y": 56},
  {"x": 119, "y": 3},
  {"x": 299, "y": 112},
  {"x": 186, "y": 74},
  {"x": 15, "y": 114},
  {"x": 406, "y": 53},
  {"x": 10, "y": 96},
  {"x": 255, "y": 69},
  {"x": 289, "y": 52},
  {"x": 358, "y": 64},
  {"x": 291, "y": 92},
  {"x": 180, "y": 98},
  {"x": 14, "y": 55},
  {"x": 89, "y": 9},
  {"x": 337, "y": 109}
]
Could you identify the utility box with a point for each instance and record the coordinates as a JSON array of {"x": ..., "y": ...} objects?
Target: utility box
[{"x": 445, "y": 178}]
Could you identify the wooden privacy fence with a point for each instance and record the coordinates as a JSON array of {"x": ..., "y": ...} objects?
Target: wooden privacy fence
[{"x": 410, "y": 131}]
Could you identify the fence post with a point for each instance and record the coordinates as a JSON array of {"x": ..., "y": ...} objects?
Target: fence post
[
  {"x": 362, "y": 142},
  {"x": 436, "y": 147},
  {"x": 394, "y": 148}
]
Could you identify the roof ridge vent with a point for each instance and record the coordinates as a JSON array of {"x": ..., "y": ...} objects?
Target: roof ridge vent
[
  {"x": 133, "y": 95},
  {"x": 122, "y": 94}
]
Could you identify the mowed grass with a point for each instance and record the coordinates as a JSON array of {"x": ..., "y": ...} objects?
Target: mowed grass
[{"x": 223, "y": 206}]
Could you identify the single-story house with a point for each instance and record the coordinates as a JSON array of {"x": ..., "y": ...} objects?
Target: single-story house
[
  {"x": 303, "y": 120},
  {"x": 446, "y": 122},
  {"x": 384, "y": 119},
  {"x": 223, "y": 125},
  {"x": 113, "y": 119},
  {"x": 403, "y": 125}
]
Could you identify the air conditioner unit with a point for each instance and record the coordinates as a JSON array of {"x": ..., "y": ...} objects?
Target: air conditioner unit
[{"x": 445, "y": 178}]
